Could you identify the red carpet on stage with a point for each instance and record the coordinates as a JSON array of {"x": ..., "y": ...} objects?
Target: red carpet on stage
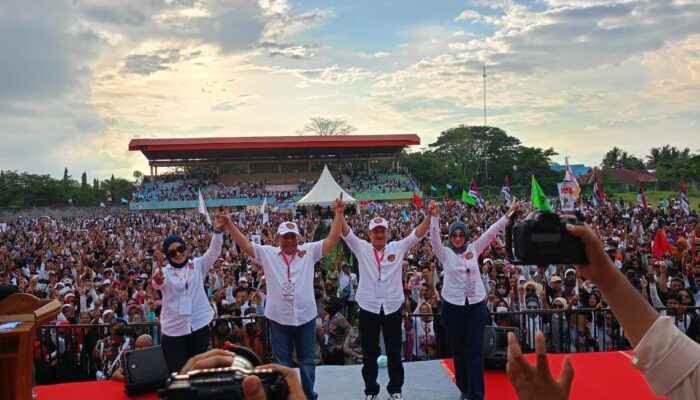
[
  {"x": 597, "y": 376},
  {"x": 606, "y": 375}
]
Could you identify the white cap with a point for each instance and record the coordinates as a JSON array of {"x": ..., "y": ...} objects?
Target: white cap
[
  {"x": 569, "y": 270},
  {"x": 288, "y": 227},
  {"x": 107, "y": 311},
  {"x": 243, "y": 279},
  {"x": 379, "y": 221}
]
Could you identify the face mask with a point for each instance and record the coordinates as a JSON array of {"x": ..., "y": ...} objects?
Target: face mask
[
  {"x": 501, "y": 309},
  {"x": 501, "y": 292}
]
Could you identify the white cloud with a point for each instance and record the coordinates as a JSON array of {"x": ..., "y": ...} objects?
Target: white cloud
[{"x": 468, "y": 15}]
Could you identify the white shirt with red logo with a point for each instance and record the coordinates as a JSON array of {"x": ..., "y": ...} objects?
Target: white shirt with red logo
[
  {"x": 298, "y": 307},
  {"x": 456, "y": 286},
  {"x": 393, "y": 256}
]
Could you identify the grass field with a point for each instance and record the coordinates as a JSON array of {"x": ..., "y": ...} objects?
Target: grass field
[{"x": 654, "y": 197}]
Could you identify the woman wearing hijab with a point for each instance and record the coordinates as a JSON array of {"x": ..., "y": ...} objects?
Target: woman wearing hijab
[
  {"x": 186, "y": 313},
  {"x": 464, "y": 312}
]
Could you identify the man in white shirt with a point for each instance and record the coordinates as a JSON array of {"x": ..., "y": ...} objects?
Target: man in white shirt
[
  {"x": 346, "y": 290},
  {"x": 380, "y": 296},
  {"x": 291, "y": 307}
]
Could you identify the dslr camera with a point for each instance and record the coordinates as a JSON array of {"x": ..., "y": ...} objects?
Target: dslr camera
[
  {"x": 542, "y": 239},
  {"x": 225, "y": 383}
]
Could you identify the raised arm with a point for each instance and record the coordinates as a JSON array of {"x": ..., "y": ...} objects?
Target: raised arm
[
  {"x": 435, "y": 239},
  {"x": 334, "y": 235},
  {"x": 217, "y": 239},
  {"x": 239, "y": 238},
  {"x": 485, "y": 240},
  {"x": 635, "y": 315}
]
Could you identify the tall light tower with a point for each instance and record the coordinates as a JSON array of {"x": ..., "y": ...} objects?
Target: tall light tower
[{"x": 484, "y": 76}]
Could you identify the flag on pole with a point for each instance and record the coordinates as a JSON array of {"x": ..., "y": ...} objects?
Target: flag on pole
[
  {"x": 404, "y": 215},
  {"x": 466, "y": 198},
  {"x": 125, "y": 201},
  {"x": 433, "y": 188},
  {"x": 660, "y": 244},
  {"x": 265, "y": 211},
  {"x": 538, "y": 198},
  {"x": 685, "y": 204},
  {"x": 570, "y": 177},
  {"x": 474, "y": 192},
  {"x": 102, "y": 205},
  {"x": 417, "y": 201},
  {"x": 598, "y": 195},
  {"x": 506, "y": 191},
  {"x": 449, "y": 186},
  {"x": 641, "y": 198},
  {"x": 202, "y": 208}
]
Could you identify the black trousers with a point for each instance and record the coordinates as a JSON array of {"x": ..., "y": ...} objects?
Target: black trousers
[
  {"x": 179, "y": 349},
  {"x": 370, "y": 326},
  {"x": 465, "y": 329}
]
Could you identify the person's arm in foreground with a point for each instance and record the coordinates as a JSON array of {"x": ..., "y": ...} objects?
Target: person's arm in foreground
[
  {"x": 331, "y": 241},
  {"x": 634, "y": 314},
  {"x": 252, "y": 387}
]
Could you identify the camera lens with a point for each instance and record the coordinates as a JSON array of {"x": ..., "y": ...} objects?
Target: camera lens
[{"x": 245, "y": 358}]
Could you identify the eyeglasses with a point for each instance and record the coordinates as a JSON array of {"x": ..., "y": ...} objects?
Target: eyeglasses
[
  {"x": 182, "y": 249},
  {"x": 456, "y": 235}
]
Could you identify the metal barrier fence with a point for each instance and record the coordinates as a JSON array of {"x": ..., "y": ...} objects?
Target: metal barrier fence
[{"x": 64, "y": 353}]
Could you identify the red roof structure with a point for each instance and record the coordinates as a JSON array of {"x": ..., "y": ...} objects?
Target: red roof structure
[
  {"x": 260, "y": 148},
  {"x": 619, "y": 175}
]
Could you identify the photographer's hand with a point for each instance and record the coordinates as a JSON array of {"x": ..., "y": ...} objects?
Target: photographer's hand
[
  {"x": 536, "y": 381},
  {"x": 211, "y": 359},
  {"x": 634, "y": 314},
  {"x": 253, "y": 388}
]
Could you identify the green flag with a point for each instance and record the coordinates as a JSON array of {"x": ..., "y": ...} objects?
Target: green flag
[
  {"x": 467, "y": 198},
  {"x": 538, "y": 198}
]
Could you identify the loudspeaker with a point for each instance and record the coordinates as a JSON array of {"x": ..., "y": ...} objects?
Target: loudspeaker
[
  {"x": 144, "y": 370},
  {"x": 496, "y": 346}
]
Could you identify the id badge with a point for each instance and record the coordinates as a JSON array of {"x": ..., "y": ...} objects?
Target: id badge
[
  {"x": 381, "y": 290},
  {"x": 470, "y": 290},
  {"x": 288, "y": 291},
  {"x": 184, "y": 306}
]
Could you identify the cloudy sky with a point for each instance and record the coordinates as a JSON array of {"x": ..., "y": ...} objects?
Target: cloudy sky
[{"x": 80, "y": 78}]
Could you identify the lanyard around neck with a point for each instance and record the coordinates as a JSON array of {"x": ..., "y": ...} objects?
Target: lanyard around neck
[
  {"x": 289, "y": 263},
  {"x": 379, "y": 261}
]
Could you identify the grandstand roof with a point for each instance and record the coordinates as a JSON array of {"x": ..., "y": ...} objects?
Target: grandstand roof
[{"x": 272, "y": 147}]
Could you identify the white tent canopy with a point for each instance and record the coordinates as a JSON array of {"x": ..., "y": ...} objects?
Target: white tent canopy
[{"x": 325, "y": 191}]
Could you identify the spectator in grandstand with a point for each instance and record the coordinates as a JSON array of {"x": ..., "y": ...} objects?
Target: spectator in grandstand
[
  {"x": 464, "y": 293},
  {"x": 291, "y": 307},
  {"x": 186, "y": 313},
  {"x": 380, "y": 296}
]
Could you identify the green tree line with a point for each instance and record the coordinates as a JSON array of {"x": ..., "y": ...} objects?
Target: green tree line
[{"x": 20, "y": 190}]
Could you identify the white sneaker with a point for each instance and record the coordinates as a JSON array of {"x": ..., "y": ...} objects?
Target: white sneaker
[
  {"x": 396, "y": 396},
  {"x": 371, "y": 397}
]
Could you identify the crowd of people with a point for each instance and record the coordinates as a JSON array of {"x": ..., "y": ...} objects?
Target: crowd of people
[
  {"x": 101, "y": 269},
  {"x": 183, "y": 188}
]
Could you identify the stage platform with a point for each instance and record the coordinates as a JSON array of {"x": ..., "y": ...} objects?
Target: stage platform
[{"x": 598, "y": 376}]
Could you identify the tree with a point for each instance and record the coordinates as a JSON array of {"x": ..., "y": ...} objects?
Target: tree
[
  {"x": 83, "y": 181},
  {"x": 617, "y": 158},
  {"x": 665, "y": 156},
  {"x": 327, "y": 127}
]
